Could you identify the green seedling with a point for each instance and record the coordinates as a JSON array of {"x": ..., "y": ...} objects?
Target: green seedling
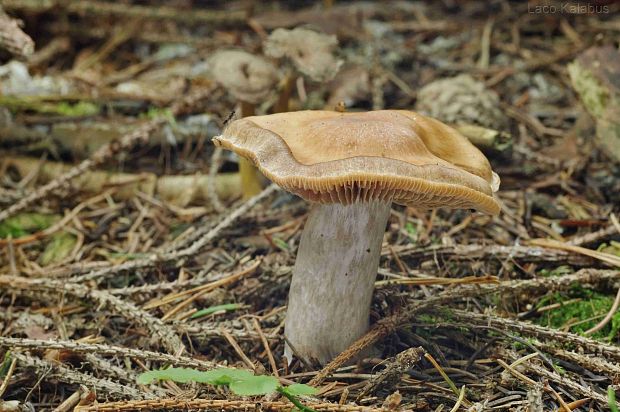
[
  {"x": 239, "y": 381},
  {"x": 6, "y": 364},
  {"x": 410, "y": 228},
  {"x": 280, "y": 243},
  {"x": 611, "y": 399},
  {"x": 217, "y": 308},
  {"x": 156, "y": 112},
  {"x": 559, "y": 271}
]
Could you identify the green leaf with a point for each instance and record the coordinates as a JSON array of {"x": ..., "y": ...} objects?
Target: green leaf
[
  {"x": 240, "y": 381},
  {"x": 219, "y": 376},
  {"x": 78, "y": 109},
  {"x": 611, "y": 399},
  {"x": 216, "y": 308},
  {"x": 226, "y": 376},
  {"x": 411, "y": 229},
  {"x": 25, "y": 223},
  {"x": 6, "y": 364},
  {"x": 59, "y": 248},
  {"x": 181, "y": 375},
  {"x": 297, "y": 389},
  {"x": 255, "y": 385},
  {"x": 280, "y": 243}
]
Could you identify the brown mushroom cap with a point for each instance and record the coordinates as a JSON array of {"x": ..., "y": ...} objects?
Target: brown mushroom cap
[
  {"x": 311, "y": 52},
  {"x": 247, "y": 77},
  {"x": 397, "y": 155}
]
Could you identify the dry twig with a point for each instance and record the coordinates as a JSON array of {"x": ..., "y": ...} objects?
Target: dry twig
[
  {"x": 189, "y": 251},
  {"x": 216, "y": 404},
  {"x": 592, "y": 346},
  {"x": 107, "y": 350},
  {"x": 64, "y": 374},
  {"x": 104, "y": 154},
  {"x": 166, "y": 336},
  {"x": 387, "y": 325}
]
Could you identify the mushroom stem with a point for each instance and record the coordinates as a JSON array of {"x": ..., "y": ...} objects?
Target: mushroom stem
[
  {"x": 286, "y": 89},
  {"x": 333, "y": 278}
]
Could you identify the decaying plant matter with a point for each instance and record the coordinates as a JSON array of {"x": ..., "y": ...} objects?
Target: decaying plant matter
[
  {"x": 12, "y": 38},
  {"x": 117, "y": 259}
]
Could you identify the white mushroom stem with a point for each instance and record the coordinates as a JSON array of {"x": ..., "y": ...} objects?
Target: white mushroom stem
[{"x": 333, "y": 278}]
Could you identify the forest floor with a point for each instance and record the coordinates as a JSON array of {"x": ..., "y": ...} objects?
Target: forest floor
[{"x": 125, "y": 245}]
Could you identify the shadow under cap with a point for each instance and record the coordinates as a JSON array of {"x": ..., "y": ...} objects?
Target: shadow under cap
[{"x": 388, "y": 155}]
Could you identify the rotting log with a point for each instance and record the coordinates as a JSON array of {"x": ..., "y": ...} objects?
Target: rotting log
[{"x": 178, "y": 190}]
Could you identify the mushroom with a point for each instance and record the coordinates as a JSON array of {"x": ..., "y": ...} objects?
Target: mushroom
[
  {"x": 311, "y": 53},
  {"x": 352, "y": 166},
  {"x": 250, "y": 79}
]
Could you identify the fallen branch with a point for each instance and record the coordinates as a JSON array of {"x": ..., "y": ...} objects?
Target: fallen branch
[
  {"x": 178, "y": 190},
  {"x": 605, "y": 351},
  {"x": 584, "y": 276},
  {"x": 106, "y": 350},
  {"x": 596, "y": 236},
  {"x": 178, "y": 255},
  {"x": 574, "y": 387},
  {"x": 209, "y": 330},
  {"x": 590, "y": 362},
  {"x": 103, "y": 154},
  {"x": 490, "y": 252},
  {"x": 608, "y": 258},
  {"x": 98, "y": 8},
  {"x": 217, "y": 405},
  {"x": 388, "y": 325},
  {"x": 62, "y": 373},
  {"x": 165, "y": 335},
  {"x": 391, "y": 375}
]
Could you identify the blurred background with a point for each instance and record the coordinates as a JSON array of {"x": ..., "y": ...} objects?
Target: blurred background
[{"x": 107, "y": 110}]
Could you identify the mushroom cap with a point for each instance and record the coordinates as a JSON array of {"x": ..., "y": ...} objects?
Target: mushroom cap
[
  {"x": 247, "y": 77},
  {"x": 311, "y": 52},
  {"x": 386, "y": 155}
]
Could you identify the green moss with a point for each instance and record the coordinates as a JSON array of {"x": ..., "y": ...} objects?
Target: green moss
[
  {"x": 25, "y": 223},
  {"x": 558, "y": 271},
  {"x": 426, "y": 318},
  {"x": 593, "y": 304},
  {"x": 520, "y": 344},
  {"x": 75, "y": 110},
  {"x": 157, "y": 113},
  {"x": 39, "y": 105},
  {"x": 612, "y": 248}
]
